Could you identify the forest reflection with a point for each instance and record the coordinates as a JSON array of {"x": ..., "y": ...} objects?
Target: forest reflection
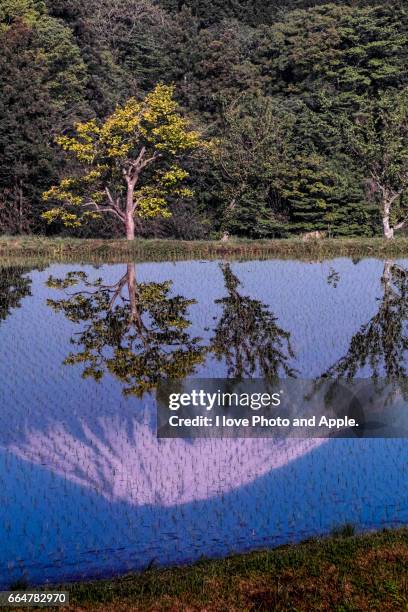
[
  {"x": 248, "y": 336},
  {"x": 141, "y": 333},
  {"x": 380, "y": 345},
  {"x": 134, "y": 496},
  {"x": 15, "y": 285}
]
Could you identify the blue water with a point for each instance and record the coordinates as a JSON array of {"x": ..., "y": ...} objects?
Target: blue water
[{"x": 88, "y": 490}]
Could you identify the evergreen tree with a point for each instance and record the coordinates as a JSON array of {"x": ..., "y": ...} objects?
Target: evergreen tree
[
  {"x": 254, "y": 147},
  {"x": 63, "y": 61},
  {"x": 42, "y": 81}
]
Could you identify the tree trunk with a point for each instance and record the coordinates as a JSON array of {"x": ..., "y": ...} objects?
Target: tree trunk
[
  {"x": 20, "y": 207},
  {"x": 130, "y": 227},
  {"x": 388, "y": 230},
  {"x": 129, "y": 222},
  {"x": 387, "y": 275},
  {"x": 132, "y": 289},
  {"x": 131, "y": 280}
]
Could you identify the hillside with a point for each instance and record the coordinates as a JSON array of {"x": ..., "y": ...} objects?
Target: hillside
[{"x": 281, "y": 87}]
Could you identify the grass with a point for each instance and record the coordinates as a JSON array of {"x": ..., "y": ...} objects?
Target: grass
[
  {"x": 343, "y": 573},
  {"x": 17, "y": 249}
]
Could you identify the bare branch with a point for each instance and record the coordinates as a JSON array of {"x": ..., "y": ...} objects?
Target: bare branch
[
  {"x": 114, "y": 203},
  {"x": 105, "y": 209},
  {"x": 401, "y": 224},
  {"x": 118, "y": 291},
  {"x": 111, "y": 201},
  {"x": 137, "y": 165},
  {"x": 155, "y": 156}
]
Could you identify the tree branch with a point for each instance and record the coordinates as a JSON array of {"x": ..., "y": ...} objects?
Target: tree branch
[
  {"x": 401, "y": 224},
  {"x": 105, "y": 209},
  {"x": 138, "y": 165},
  {"x": 148, "y": 161}
]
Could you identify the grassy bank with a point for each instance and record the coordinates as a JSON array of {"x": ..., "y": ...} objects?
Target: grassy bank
[
  {"x": 341, "y": 573},
  {"x": 57, "y": 249}
]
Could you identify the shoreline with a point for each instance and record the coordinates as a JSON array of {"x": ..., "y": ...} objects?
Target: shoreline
[
  {"x": 339, "y": 572},
  {"x": 20, "y": 249}
]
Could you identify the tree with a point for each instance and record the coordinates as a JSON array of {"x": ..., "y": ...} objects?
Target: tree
[
  {"x": 129, "y": 164},
  {"x": 322, "y": 186},
  {"x": 319, "y": 197},
  {"x": 136, "y": 332},
  {"x": 64, "y": 61},
  {"x": 218, "y": 68},
  {"x": 255, "y": 144},
  {"x": 347, "y": 50},
  {"x": 129, "y": 37},
  {"x": 323, "y": 62},
  {"x": 274, "y": 181},
  {"x": 377, "y": 137}
]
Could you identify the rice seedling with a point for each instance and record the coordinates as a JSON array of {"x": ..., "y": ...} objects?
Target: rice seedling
[{"x": 89, "y": 491}]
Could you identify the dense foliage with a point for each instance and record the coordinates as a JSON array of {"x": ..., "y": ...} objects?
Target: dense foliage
[{"x": 284, "y": 88}]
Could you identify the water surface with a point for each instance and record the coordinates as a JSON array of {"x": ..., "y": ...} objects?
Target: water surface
[{"x": 88, "y": 490}]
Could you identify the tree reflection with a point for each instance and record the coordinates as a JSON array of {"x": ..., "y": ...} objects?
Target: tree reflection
[
  {"x": 140, "y": 334},
  {"x": 135, "y": 331},
  {"x": 333, "y": 278},
  {"x": 381, "y": 343},
  {"x": 14, "y": 287},
  {"x": 248, "y": 337}
]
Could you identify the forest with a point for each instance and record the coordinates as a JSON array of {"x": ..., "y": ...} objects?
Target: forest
[{"x": 269, "y": 118}]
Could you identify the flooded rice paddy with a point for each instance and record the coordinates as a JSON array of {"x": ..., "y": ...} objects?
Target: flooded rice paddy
[{"x": 88, "y": 490}]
